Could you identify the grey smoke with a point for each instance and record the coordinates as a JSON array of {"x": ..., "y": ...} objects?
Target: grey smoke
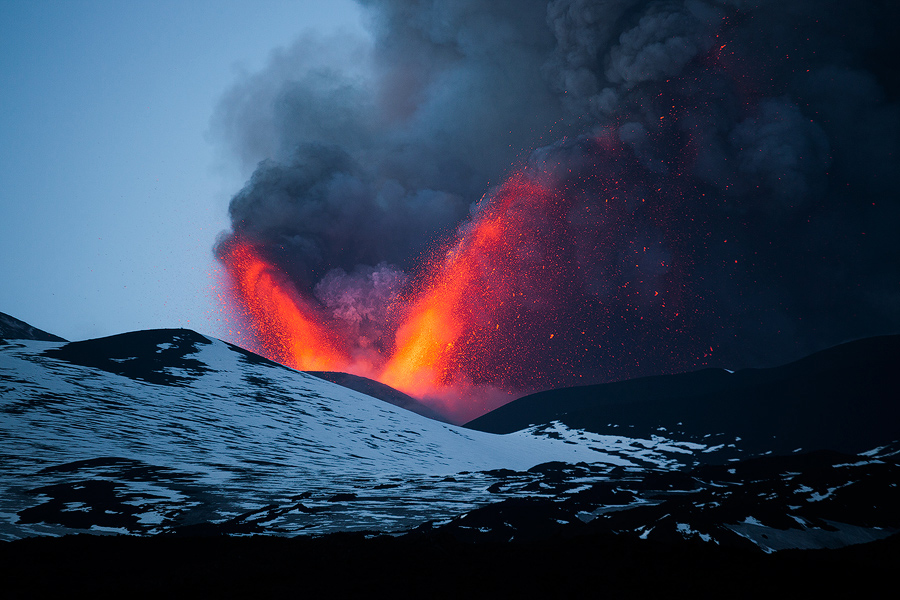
[
  {"x": 369, "y": 150},
  {"x": 667, "y": 37},
  {"x": 361, "y": 300},
  {"x": 784, "y": 151},
  {"x": 322, "y": 210},
  {"x": 763, "y": 134}
]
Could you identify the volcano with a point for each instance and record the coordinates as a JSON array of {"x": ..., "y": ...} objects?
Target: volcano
[
  {"x": 842, "y": 399},
  {"x": 169, "y": 431},
  {"x": 169, "y": 434},
  {"x": 495, "y": 199},
  {"x": 155, "y": 431}
]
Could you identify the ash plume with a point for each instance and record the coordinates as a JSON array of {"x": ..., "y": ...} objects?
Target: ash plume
[
  {"x": 360, "y": 301},
  {"x": 728, "y": 170}
]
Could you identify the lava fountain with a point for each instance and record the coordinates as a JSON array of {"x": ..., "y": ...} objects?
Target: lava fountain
[
  {"x": 452, "y": 322},
  {"x": 520, "y": 299},
  {"x": 450, "y": 339},
  {"x": 286, "y": 327}
]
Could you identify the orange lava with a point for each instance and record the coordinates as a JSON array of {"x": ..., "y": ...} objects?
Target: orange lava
[
  {"x": 450, "y": 326},
  {"x": 288, "y": 329},
  {"x": 568, "y": 273}
]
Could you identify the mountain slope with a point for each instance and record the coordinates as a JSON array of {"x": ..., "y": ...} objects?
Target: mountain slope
[
  {"x": 807, "y": 500},
  {"x": 160, "y": 430},
  {"x": 376, "y": 389},
  {"x": 846, "y": 399},
  {"x": 170, "y": 432},
  {"x": 14, "y": 329}
]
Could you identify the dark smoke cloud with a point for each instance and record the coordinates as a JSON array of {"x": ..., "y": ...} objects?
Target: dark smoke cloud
[
  {"x": 373, "y": 149},
  {"x": 322, "y": 210},
  {"x": 754, "y": 146},
  {"x": 782, "y": 152}
]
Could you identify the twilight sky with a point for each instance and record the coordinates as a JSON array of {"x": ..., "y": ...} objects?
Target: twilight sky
[{"x": 112, "y": 188}]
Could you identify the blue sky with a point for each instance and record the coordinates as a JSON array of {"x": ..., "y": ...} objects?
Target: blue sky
[{"x": 111, "y": 194}]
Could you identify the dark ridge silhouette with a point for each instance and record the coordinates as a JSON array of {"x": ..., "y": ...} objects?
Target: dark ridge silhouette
[
  {"x": 12, "y": 328},
  {"x": 144, "y": 355},
  {"x": 376, "y": 389},
  {"x": 843, "y": 399}
]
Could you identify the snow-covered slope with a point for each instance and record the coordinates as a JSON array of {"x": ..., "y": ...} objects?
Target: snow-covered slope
[
  {"x": 806, "y": 500},
  {"x": 158, "y": 430},
  {"x": 170, "y": 432},
  {"x": 844, "y": 399}
]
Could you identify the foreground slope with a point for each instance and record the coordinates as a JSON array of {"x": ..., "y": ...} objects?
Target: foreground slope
[
  {"x": 353, "y": 565},
  {"x": 170, "y": 432},
  {"x": 845, "y": 399},
  {"x": 159, "y": 430}
]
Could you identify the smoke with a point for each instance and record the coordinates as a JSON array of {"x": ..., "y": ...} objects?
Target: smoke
[
  {"x": 322, "y": 210},
  {"x": 360, "y": 302},
  {"x": 718, "y": 178},
  {"x": 783, "y": 153}
]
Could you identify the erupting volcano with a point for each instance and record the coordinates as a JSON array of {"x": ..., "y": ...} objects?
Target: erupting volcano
[
  {"x": 709, "y": 199},
  {"x": 289, "y": 328},
  {"x": 509, "y": 305}
]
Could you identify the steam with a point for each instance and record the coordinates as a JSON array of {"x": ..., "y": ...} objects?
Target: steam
[
  {"x": 728, "y": 170},
  {"x": 361, "y": 301}
]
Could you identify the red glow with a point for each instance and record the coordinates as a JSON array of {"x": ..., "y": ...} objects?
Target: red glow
[
  {"x": 548, "y": 283},
  {"x": 452, "y": 327},
  {"x": 286, "y": 327}
]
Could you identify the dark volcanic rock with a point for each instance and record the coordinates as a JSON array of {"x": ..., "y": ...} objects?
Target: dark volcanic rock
[
  {"x": 144, "y": 355},
  {"x": 82, "y": 505},
  {"x": 845, "y": 399},
  {"x": 819, "y": 499},
  {"x": 12, "y": 328},
  {"x": 376, "y": 389},
  {"x": 435, "y": 565}
]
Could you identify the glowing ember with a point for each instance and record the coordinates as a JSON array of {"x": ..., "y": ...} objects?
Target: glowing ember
[
  {"x": 451, "y": 328},
  {"x": 287, "y": 328},
  {"x": 449, "y": 345},
  {"x": 514, "y": 303},
  {"x": 675, "y": 214}
]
